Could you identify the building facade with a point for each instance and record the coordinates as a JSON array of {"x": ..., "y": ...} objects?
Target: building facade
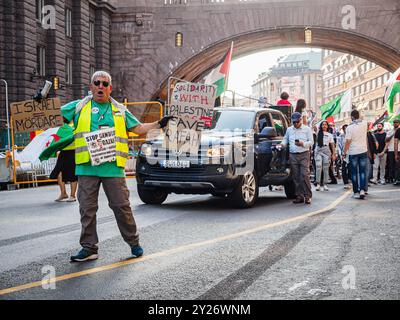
[
  {"x": 366, "y": 80},
  {"x": 299, "y": 75},
  {"x": 44, "y": 39}
]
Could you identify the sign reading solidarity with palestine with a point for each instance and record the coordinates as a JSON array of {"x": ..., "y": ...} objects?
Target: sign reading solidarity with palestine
[
  {"x": 101, "y": 145},
  {"x": 192, "y": 104},
  {"x": 31, "y": 116}
]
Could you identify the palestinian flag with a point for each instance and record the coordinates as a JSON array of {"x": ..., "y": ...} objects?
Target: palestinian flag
[
  {"x": 219, "y": 75},
  {"x": 340, "y": 104},
  {"x": 57, "y": 141},
  {"x": 392, "y": 88}
]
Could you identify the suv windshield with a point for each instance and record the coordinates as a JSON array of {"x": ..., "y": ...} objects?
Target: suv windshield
[{"x": 231, "y": 120}]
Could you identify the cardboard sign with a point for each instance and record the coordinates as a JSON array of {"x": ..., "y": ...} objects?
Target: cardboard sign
[
  {"x": 29, "y": 116},
  {"x": 192, "y": 104},
  {"x": 101, "y": 146}
]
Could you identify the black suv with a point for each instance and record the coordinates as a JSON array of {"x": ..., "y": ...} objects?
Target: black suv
[{"x": 237, "y": 155}]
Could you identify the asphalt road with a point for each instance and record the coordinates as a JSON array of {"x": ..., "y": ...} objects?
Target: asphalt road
[{"x": 197, "y": 247}]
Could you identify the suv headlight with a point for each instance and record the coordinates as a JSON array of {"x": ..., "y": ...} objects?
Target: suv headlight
[
  {"x": 145, "y": 150},
  {"x": 219, "y": 151}
]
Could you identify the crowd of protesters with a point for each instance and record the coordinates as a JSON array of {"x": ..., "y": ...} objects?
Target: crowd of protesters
[{"x": 360, "y": 153}]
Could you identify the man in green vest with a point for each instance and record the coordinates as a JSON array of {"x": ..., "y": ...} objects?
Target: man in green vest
[{"x": 98, "y": 114}]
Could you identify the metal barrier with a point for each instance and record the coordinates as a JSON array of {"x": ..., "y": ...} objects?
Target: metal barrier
[{"x": 37, "y": 172}]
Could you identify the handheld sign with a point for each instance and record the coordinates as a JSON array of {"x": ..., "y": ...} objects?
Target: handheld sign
[
  {"x": 192, "y": 104},
  {"x": 30, "y": 115},
  {"x": 101, "y": 146}
]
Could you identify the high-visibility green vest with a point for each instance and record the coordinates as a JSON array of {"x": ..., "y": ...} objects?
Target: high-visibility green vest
[{"x": 83, "y": 126}]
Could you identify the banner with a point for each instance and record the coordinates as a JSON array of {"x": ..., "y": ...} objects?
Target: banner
[
  {"x": 192, "y": 104},
  {"x": 101, "y": 146},
  {"x": 29, "y": 116}
]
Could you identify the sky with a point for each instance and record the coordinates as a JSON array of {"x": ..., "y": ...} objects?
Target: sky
[{"x": 245, "y": 70}]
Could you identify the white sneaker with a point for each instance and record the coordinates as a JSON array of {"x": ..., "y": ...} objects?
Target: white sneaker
[
  {"x": 383, "y": 182},
  {"x": 318, "y": 187},
  {"x": 347, "y": 187},
  {"x": 326, "y": 187},
  {"x": 356, "y": 195},
  {"x": 362, "y": 194},
  {"x": 71, "y": 199}
]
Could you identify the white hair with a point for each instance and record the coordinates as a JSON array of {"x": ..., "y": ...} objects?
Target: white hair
[{"x": 101, "y": 73}]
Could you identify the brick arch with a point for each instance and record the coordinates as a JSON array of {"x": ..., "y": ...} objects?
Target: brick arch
[
  {"x": 143, "y": 54},
  {"x": 197, "y": 66}
]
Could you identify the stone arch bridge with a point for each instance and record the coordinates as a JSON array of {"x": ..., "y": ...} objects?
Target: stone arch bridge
[{"x": 144, "y": 55}]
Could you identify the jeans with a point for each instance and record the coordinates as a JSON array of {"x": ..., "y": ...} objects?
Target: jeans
[
  {"x": 322, "y": 162},
  {"x": 358, "y": 163}
]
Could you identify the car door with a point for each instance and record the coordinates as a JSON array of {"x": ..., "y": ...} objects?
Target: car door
[{"x": 279, "y": 161}]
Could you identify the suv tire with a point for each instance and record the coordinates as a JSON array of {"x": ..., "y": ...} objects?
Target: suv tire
[
  {"x": 290, "y": 189},
  {"x": 151, "y": 196},
  {"x": 246, "y": 193}
]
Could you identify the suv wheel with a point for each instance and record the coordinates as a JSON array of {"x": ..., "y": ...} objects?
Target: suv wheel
[
  {"x": 151, "y": 196},
  {"x": 246, "y": 193},
  {"x": 290, "y": 190}
]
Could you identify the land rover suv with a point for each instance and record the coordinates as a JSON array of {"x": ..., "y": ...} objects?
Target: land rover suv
[{"x": 237, "y": 155}]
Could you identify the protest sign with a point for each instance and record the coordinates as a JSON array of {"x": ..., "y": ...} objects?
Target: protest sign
[
  {"x": 30, "y": 115},
  {"x": 101, "y": 146},
  {"x": 192, "y": 104}
]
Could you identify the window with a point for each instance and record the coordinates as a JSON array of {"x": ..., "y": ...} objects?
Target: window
[
  {"x": 68, "y": 70},
  {"x": 264, "y": 121},
  {"x": 373, "y": 84},
  {"x": 368, "y": 86},
  {"x": 41, "y": 61},
  {"x": 91, "y": 72},
  {"x": 68, "y": 22},
  {"x": 39, "y": 9},
  {"x": 379, "y": 82},
  {"x": 91, "y": 34}
]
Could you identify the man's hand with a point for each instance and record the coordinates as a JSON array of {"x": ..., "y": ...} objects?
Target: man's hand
[
  {"x": 381, "y": 154},
  {"x": 164, "y": 121},
  {"x": 299, "y": 143},
  {"x": 333, "y": 157}
]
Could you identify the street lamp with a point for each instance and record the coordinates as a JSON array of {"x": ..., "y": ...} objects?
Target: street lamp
[
  {"x": 233, "y": 96},
  {"x": 7, "y": 116},
  {"x": 307, "y": 35},
  {"x": 178, "y": 39}
]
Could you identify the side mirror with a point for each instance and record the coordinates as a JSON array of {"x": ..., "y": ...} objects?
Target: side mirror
[{"x": 268, "y": 133}]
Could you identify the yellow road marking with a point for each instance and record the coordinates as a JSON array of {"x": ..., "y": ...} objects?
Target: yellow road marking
[{"x": 173, "y": 251}]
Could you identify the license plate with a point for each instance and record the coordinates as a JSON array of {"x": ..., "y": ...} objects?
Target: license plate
[{"x": 175, "y": 164}]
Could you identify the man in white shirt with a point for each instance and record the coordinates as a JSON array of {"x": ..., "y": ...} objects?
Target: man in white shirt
[
  {"x": 299, "y": 137},
  {"x": 357, "y": 148}
]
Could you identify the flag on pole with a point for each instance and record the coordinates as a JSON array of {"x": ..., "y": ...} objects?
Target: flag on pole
[
  {"x": 340, "y": 104},
  {"x": 219, "y": 75},
  {"x": 392, "y": 88}
]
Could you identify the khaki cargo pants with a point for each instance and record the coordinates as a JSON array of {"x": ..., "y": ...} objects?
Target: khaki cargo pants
[{"x": 118, "y": 200}]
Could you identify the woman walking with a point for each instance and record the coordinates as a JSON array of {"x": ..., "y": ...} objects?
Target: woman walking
[{"x": 324, "y": 152}]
